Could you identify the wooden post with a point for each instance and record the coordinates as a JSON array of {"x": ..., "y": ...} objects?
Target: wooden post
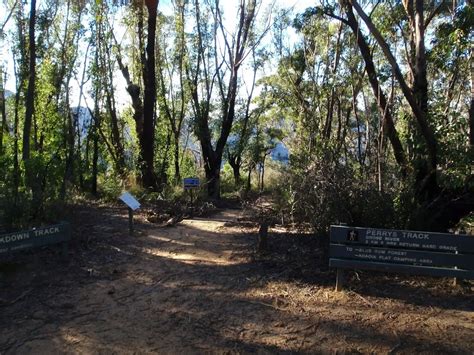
[
  {"x": 130, "y": 221},
  {"x": 455, "y": 280},
  {"x": 262, "y": 237},
  {"x": 339, "y": 280}
]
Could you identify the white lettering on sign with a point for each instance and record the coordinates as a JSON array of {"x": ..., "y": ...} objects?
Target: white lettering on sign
[
  {"x": 426, "y": 261},
  {"x": 381, "y": 233},
  {"x": 365, "y": 256},
  {"x": 409, "y": 245},
  {"x": 413, "y": 235},
  {"x": 45, "y": 232},
  {"x": 14, "y": 237},
  {"x": 404, "y": 260},
  {"x": 448, "y": 247},
  {"x": 397, "y": 252}
]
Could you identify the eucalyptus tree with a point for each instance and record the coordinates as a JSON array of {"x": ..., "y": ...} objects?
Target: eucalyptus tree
[
  {"x": 104, "y": 70},
  {"x": 144, "y": 112},
  {"x": 3, "y": 77},
  {"x": 381, "y": 97},
  {"x": 402, "y": 66},
  {"x": 3, "y": 124},
  {"x": 219, "y": 54},
  {"x": 245, "y": 119},
  {"x": 172, "y": 91},
  {"x": 30, "y": 94},
  {"x": 417, "y": 94}
]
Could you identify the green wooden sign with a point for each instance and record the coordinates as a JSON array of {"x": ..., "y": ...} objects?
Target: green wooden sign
[
  {"x": 413, "y": 252},
  {"x": 35, "y": 237}
]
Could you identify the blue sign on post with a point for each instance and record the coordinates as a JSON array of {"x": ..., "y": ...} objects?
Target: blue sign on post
[{"x": 191, "y": 183}]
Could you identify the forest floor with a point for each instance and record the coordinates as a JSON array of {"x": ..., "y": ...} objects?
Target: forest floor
[{"x": 199, "y": 286}]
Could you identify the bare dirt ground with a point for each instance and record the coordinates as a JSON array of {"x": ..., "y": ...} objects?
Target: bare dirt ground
[{"x": 199, "y": 287}]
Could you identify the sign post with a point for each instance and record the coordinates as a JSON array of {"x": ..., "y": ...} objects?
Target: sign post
[
  {"x": 130, "y": 221},
  {"x": 132, "y": 205},
  {"x": 190, "y": 184}
]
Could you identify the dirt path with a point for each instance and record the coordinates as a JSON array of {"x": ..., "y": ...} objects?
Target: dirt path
[{"x": 198, "y": 287}]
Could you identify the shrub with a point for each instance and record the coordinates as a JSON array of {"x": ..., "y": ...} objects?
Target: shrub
[{"x": 328, "y": 192}]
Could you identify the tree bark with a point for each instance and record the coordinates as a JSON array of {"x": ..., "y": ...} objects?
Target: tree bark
[
  {"x": 30, "y": 93},
  {"x": 235, "y": 161},
  {"x": 249, "y": 178},
  {"x": 471, "y": 107},
  {"x": 114, "y": 121},
  {"x": 144, "y": 111},
  {"x": 147, "y": 148},
  {"x": 95, "y": 138},
  {"x": 426, "y": 178},
  {"x": 235, "y": 56},
  {"x": 388, "y": 123},
  {"x": 3, "y": 127}
]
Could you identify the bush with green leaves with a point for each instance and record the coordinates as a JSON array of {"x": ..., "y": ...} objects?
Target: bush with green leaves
[{"x": 329, "y": 192}]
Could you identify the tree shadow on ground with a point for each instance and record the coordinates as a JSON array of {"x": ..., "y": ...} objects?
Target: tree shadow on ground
[
  {"x": 163, "y": 291},
  {"x": 306, "y": 259}
]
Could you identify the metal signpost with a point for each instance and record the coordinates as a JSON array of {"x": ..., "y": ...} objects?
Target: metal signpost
[
  {"x": 36, "y": 237},
  {"x": 414, "y": 252},
  {"x": 190, "y": 184},
  {"x": 132, "y": 205}
]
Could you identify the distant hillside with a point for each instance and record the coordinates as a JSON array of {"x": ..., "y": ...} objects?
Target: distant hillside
[
  {"x": 280, "y": 153},
  {"x": 84, "y": 118}
]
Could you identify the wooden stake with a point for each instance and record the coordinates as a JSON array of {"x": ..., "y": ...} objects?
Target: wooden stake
[
  {"x": 339, "y": 280},
  {"x": 130, "y": 221},
  {"x": 262, "y": 237}
]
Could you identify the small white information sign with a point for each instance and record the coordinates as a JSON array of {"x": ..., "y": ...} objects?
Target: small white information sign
[{"x": 130, "y": 201}]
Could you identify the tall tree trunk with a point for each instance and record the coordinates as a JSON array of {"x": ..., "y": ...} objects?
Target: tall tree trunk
[
  {"x": 212, "y": 168},
  {"x": 114, "y": 121},
  {"x": 3, "y": 124},
  {"x": 95, "y": 160},
  {"x": 16, "y": 133},
  {"x": 235, "y": 161},
  {"x": 30, "y": 93},
  {"x": 20, "y": 74},
  {"x": 83, "y": 163},
  {"x": 177, "y": 173},
  {"x": 147, "y": 148},
  {"x": 249, "y": 178},
  {"x": 144, "y": 111},
  {"x": 69, "y": 142},
  {"x": 427, "y": 185},
  {"x": 388, "y": 123},
  {"x": 471, "y": 107},
  {"x": 420, "y": 84},
  {"x": 33, "y": 180},
  {"x": 95, "y": 138},
  {"x": 80, "y": 165},
  {"x": 236, "y": 52}
]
